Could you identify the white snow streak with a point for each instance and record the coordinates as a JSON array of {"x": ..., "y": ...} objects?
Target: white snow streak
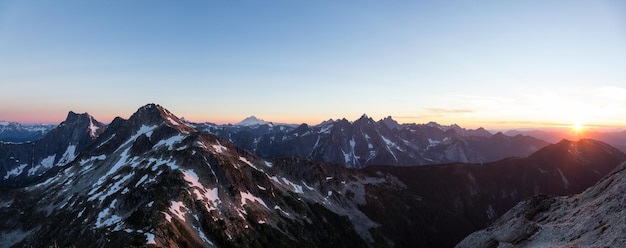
[
  {"x": 247, "y": 196},
  {"x": 201, "y": 193},
  {"x": 15, "y": 171}
]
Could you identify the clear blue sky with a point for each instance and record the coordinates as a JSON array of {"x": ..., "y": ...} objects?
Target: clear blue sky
[{"x": 476, "y": 63}]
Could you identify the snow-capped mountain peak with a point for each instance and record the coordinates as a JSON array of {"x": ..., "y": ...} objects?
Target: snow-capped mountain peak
[
  {"x": 252, "y": 121},
  {"x": 154, "y": 114}
]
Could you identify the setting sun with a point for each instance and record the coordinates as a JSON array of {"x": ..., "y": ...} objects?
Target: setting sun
[{"x": 578, "y": 127}]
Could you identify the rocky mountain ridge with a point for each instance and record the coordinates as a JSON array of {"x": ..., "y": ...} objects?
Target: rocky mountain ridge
[
  {"x": 152, "y": 180},
  {"x": 593, "y": 218},
  {"x": 366, "y": 142},
  {"x": 616, "y": 139}
]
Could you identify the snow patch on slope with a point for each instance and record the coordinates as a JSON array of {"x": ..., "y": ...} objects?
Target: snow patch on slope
[
  {"x": 247, "y": 196},
  {"x": 175, "y": 208},
  {"x": 219, "y": 148},
  {"x": 15, "y": 171},
  {"x": 171, "y": 141},
  {"x": 200, "y": 192},
  {"x": 47, "y": 162}
]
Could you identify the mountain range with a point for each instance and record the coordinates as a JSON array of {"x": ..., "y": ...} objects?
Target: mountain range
[
  {"x": 270, "y": 140},
  {"x": 366, "y": 142},
  {"x": 17, "y": 132},
  {"x": 154, "y": 180},
  {"x": 616, "y": 139}
]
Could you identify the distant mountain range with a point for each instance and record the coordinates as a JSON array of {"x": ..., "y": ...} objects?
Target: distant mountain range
[
  {"x": 16, "y": 132},
  {"x": 26, "y": 162},
  {"x": 616, "y": 139},
  {"x": 366, "y": 142},
  {"x": 154, "y": 180}
]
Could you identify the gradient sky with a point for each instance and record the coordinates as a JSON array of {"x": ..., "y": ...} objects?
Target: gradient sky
[{"x": 495, "y": 64}]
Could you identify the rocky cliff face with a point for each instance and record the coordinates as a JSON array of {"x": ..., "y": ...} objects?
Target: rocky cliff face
[{"x": 593, "y": 218}]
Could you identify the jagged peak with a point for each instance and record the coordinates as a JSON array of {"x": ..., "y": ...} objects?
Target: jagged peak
[
  {"x": 364, "y": 118},
  {"x": 145, "y": 112},
  {"x": 84, "y": 120},
  {"x": 327, "y": 122},
  {"x": 390, "y": 123},
  {"x": 71, "y": 116},
  {"x": 76, "y": 119},
  {"x": 155, "y": 114}
]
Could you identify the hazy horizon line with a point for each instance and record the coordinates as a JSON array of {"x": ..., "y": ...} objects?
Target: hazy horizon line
[{"x": 497, "y": 126}]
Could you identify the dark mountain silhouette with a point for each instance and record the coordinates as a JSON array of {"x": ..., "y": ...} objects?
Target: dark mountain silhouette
[{"x": 616, "y": 139}]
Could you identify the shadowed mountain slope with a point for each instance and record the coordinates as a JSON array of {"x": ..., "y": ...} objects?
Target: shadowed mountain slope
[{"x": 593, "y": 218}]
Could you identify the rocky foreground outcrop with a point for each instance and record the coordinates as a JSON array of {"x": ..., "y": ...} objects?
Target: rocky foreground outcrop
[{"x": 594, "y": 218}]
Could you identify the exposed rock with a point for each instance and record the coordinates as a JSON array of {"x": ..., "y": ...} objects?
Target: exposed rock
[{"x": 594, "y": 218}]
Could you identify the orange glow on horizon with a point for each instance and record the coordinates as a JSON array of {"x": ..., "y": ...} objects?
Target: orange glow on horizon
[{"x": 574, "y": 129}]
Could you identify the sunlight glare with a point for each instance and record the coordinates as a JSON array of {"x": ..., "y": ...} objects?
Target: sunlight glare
[{"x": 577, "y": 127}]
